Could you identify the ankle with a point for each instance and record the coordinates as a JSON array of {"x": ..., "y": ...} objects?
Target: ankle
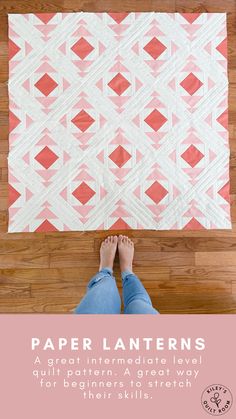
[
  {"x": 125, "y": 268},
  {"x": 126, "y": 272},
  {"x": 106, "y": 266}
]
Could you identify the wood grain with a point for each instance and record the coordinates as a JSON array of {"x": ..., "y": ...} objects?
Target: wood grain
[{"x": 184, "y": 271}]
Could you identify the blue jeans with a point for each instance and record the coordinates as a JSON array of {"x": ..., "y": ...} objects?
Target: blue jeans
[{"x": 102, "y": 296}]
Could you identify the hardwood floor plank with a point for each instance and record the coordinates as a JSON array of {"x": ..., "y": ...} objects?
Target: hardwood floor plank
[
  {"x": 183, "y": 244},
  {"x": 127, "y": 5},
  {"x": 216, "y": 258},
  {"x": 59, "y": 245},
  {"x": 15, "y": 261},
  {"x": 163, "y": 258},
  {"x": 233, "y": 180},
  {"x": 72, "y": 289},
  {"x": 233, "y": 207},
  {"x": 35, "y": 247},
  {"x": 234, "y": 288},
  {"x": 4, "y": 189},
  {"x": 72, "y": 261},
  {"x": 4, "y": 147},
  {"x": 3, "y": 218},
  {"x": 3, "y": 71},
  {"x": 55, "y": 290},
  {"x": 56, "y": 275},
  {"x": 199, "y": 6},
  {"x": 22, "y": 236},
  {"x": 195, "y": 286},
  {"x": 3, "y": 159},
  {"x": 35, "y": 305},
  {"x": 195, "y": 304},
  {"x": 3, "y": 26},
  {"x": 226, "y": 273},
  {"x": 4, "y": 131},
  {"x": 14, "y": 290},
  {"x": 26, "y": 6},
  {"x": 3, "y": 93},
  {"x": 140, "y": 259},
  {"x": 4, "y": 174}
]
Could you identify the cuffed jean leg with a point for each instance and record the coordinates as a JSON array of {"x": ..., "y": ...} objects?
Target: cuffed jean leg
[
  {"x": 102, "y": 296},
  {"x": 136, "y": 298}
]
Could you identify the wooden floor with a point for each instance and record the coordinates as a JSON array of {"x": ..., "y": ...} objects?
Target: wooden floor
[{"x": 184, "y": 272}]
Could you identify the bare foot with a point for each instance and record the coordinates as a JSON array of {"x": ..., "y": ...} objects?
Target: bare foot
[
  {"x": 107, "y": 252},
  {"x": 126, "y": 253}
]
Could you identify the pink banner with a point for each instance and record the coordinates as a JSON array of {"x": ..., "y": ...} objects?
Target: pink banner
[{"x": 117, "y": 366}]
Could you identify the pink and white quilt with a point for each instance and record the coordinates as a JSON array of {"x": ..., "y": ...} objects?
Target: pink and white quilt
[{"x": 118, "y": 121}]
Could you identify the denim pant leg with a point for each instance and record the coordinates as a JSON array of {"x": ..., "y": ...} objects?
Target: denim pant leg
[
  {"x": 136, "y": 298},
  {"x": 102, "y": 296}
]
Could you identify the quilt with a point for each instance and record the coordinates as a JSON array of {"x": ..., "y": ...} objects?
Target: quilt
[{"x": 118, "y": 121}]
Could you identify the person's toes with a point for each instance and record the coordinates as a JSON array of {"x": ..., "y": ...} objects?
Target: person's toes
[
  {"x": 128, "y": 241},
  {"x": 110, "y": 240}
]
